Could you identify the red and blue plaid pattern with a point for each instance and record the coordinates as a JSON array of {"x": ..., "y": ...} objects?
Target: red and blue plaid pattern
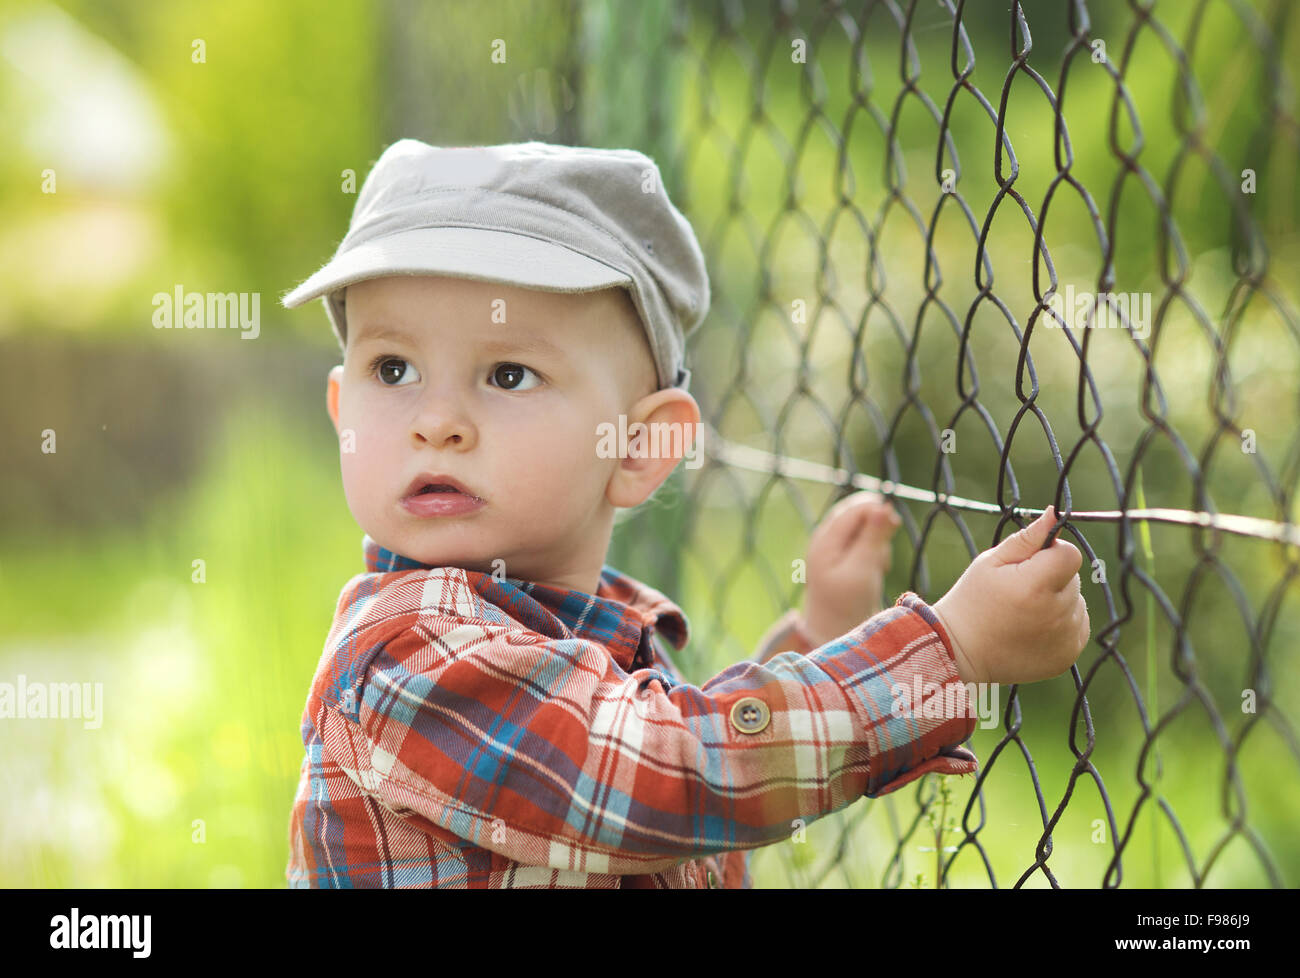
[{"x": 469, "y": 731}]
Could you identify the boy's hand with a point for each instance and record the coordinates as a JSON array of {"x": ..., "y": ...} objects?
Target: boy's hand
[
  {"x": 848, "y": 556},
  {"x": 1017, "y": 615}
]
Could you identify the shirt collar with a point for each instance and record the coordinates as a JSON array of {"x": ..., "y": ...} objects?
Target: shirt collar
[{"x": 624, "y": 607}]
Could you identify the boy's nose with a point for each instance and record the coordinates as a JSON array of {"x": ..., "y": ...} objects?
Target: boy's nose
[
  {"x": 442, "y": 422},
  {"x": 445, "y": 432}
]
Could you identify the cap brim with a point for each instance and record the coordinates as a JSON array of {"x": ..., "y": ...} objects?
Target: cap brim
[{"x": 461, "y": 252}]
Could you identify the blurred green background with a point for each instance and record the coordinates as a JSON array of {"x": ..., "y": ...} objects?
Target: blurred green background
[{"x": 813, "y": 181}]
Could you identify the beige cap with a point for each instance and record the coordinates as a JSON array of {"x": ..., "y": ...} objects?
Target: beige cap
[{"x": 535, "y": 215}]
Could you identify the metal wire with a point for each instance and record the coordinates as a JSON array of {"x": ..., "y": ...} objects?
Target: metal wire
[{"x": 757, "y": 460}]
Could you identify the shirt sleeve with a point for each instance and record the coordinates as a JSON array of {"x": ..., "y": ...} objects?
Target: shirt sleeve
[
  {"x": 547, "y": 752},
  {"x": 788, "y": 634}
]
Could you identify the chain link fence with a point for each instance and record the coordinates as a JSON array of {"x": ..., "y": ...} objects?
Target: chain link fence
[{"x": 981, "y": 259}]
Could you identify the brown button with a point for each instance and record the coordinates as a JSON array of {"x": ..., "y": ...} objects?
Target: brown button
[{"x": 750, "y": 715}]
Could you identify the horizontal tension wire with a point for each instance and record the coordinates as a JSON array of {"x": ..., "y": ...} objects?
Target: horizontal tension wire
[{"x": 757, "y": 460}]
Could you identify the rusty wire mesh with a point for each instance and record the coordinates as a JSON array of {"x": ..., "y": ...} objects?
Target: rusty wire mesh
[{"x": 894, "y": 199}]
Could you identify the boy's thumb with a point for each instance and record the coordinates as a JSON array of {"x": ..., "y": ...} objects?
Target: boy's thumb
[{"x": 1026, "y": 542}]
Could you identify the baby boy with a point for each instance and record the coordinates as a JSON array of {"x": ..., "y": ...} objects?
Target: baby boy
[{"x": 495, "y": 706}]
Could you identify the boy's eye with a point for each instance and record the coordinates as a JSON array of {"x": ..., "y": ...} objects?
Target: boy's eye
[
  {"x": 395, "y": 372},
  {"x": 511, "y": 376}
]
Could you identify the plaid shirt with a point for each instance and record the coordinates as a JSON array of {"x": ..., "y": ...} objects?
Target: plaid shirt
[{"x": 466, "y": 731}]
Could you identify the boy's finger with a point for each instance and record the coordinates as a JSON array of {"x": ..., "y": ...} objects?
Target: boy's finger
[
  {"x": 1080, "y": 625},
  {"x": 877, "y": 523},
  {"x": 839, "y": 528},
  {"x": 854, "y": 501},
  {"x": 1056, "y": 566},
  {"x": 847, "y": 517},
  {"x": 885, "y": 515},
  {"x": 1026, "y": 542}
]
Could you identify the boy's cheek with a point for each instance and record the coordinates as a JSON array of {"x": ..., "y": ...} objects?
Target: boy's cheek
[
  {"x": 353, "y": 491},
  {"x": 361, "y": 468},
  {"x": 359, "y": 440},
  {"x": 371, "y": 505}
]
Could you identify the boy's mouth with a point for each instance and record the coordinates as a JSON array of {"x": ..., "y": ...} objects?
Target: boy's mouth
[
  {"x": 427, "y": 484},
  {"x": 439, "y": 495}
]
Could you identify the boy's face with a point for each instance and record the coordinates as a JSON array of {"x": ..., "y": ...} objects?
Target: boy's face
[{"x": 501, "y": 389}]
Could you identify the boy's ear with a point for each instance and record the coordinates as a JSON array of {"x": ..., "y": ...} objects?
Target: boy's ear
[
  {"x": 648, "y": 463},
  {"x": 332, "y": 394}
]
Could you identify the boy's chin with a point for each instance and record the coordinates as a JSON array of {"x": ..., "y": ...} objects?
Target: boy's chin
[
  {"x": 439, "y": 546},
  {"x": 448, "y": 557}
]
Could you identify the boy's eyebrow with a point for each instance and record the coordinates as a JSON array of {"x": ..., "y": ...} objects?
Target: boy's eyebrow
[
  {"x": 531, "y": 342},
  {"x": 379, "y": 333}
]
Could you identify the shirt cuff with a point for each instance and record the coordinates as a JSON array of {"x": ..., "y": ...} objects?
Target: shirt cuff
[
  {"x": 913, "y": 702},
  {"x": 950, "y": 729},
  {"x": 935, "y": 748}
]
